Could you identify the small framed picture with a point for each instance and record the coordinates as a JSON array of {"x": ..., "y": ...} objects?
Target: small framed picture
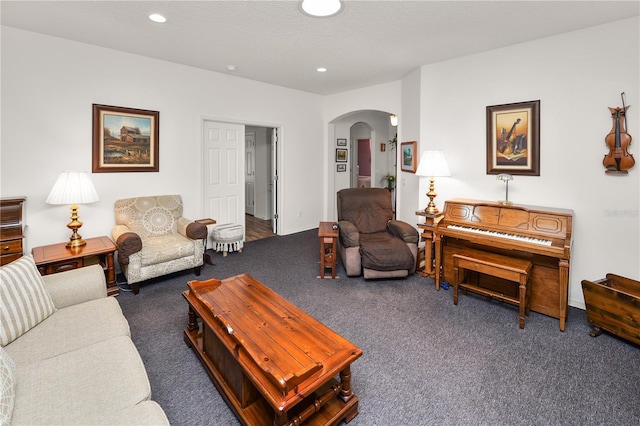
[
  {"x": 409, "y": 157},
  {"x": 342, "y": 142},
  {"x": 341, "y": 155},
  {"x": 341, "y": 167}
]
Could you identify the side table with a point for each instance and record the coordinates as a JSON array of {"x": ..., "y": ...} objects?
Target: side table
[
  {"x": 427, "y": 235},
  {"x": 59, "y": 258},
  {"x": 328, "y": 248}
]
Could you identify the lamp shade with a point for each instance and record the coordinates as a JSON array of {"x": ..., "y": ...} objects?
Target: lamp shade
[
  {"x": 73, "y": 188},
  {"x": 433, "y": 164}
]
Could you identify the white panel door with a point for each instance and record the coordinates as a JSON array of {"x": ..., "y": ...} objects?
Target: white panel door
[
  {"x": 223, "y": 154},
  {"x": 274, "y": 180}
]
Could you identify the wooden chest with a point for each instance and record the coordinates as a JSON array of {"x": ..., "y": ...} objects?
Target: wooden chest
[{"x": 11, "y": 229}]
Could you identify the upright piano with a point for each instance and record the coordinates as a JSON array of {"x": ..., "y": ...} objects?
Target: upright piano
[{"x": 539, "y": 234}]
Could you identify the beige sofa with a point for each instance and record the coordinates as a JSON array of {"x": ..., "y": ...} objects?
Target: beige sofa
[{"x": 76, "y": 366}]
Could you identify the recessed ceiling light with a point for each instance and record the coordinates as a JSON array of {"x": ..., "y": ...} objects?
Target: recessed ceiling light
[
  {"x": 231, "y": 67},
  {"x": 156, "y": 17},
  {"x": 321, "y": 69},
  {"x": 321, "y": 8}
]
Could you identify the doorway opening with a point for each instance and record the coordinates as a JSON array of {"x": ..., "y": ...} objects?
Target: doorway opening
[
  {"x": 369, "y": 130},
  {"x": 260, "y": 143},
  {"x": 240, "y": 177}
]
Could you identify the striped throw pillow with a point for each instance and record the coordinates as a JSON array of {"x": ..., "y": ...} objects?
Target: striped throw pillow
[{"x": 24, "y": 302}]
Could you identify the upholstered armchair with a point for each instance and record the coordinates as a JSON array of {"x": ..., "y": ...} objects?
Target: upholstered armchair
[
  {"x": 371, "y": 242},
  {"x": 153, "y": 239}
]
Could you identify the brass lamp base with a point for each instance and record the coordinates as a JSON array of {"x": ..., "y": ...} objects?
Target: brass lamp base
[
  {"x": 431, "y": 207},
  {"x": 76, "y": 240}
]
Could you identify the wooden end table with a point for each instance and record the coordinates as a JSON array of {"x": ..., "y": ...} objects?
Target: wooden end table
[
  {"x": 274, "y": 364},
  {"x": 59, "y": 258},
  {"x": 428, "y": 236},
  {"x": 328, "y": 248},
  {"x": 206, "y": 259}
]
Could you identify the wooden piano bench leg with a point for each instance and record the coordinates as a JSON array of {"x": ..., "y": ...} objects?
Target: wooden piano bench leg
[
  {"x": 522, "y": 297},
  {"x": 456, "y": 280}
]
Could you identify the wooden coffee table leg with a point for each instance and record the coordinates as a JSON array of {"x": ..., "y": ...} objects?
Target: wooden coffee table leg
[
  {"x": 192, "y": 325},
  {"x": 346, "y": 393}
]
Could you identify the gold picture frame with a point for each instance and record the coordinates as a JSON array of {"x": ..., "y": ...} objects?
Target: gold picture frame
[
  {"x": 125, "y": 139},
  {"x": 341, "y": 155},
  {"x": 513, "y": 139}
]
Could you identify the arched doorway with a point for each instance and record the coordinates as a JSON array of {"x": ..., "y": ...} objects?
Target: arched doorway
[{"x": 344, "y": 133}]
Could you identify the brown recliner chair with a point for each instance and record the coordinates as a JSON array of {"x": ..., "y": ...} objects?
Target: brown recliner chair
[{"x": 371, "y": 242}]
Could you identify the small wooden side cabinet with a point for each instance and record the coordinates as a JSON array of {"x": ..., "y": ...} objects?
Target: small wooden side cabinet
[
  {"x": 11, "y": 229},
  {"x": 328, "y": 248},
  {"x": 427, "y": 235},
  {"x": 59, "y": 258}
]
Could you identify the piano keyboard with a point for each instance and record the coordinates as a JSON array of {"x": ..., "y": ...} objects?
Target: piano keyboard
[{"x": 501, "y": 235}]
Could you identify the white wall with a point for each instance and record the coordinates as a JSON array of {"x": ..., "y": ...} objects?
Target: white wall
[
  {"x": 409, "y": 130},
  {"x": 576, "y": 76},
  {"x": 49, "y": 86}
]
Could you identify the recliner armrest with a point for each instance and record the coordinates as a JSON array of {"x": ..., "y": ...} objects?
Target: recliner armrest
[
  {"x": 127, "y": 242},
  {"x": 404, "y": 231},
  {"x": 192, "y": 229},
  {"x": 349, "y": 234}
]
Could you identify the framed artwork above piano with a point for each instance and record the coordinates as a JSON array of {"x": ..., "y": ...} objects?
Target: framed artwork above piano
[{"x": 513, "y": 139}]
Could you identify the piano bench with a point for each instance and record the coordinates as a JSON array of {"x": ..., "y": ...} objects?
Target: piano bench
[{"x": 507, "y": 268}]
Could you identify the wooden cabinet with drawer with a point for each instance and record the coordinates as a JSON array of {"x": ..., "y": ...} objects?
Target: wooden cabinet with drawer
[{"x": 11, "y": 229}]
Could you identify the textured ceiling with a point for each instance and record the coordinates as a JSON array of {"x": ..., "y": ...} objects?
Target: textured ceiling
[{"x": 370, "y": 42}]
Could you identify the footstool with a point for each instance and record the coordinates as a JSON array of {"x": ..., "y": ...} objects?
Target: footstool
[{"x": 227, "y": 237}]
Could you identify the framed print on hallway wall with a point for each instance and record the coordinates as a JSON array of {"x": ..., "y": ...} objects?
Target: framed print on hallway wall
[
  {"x": 409, "y": 160},
  {"x": 341, "y": 142},
  {"x": 513, "y": 139},
  {"x": 125, "y": 139},
  {"x": 341, "y": 155}
]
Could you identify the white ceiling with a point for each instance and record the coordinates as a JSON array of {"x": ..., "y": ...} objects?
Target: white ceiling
[{"x": 369, "y": 42}]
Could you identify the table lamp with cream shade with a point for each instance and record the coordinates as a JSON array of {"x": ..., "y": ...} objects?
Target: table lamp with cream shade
[
  {"x": 432, "y": 164},
  {"x": 73, "y": 188}
]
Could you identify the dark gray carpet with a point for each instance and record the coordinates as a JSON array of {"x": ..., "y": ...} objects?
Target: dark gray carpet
[{"x": 425, "y": 361}]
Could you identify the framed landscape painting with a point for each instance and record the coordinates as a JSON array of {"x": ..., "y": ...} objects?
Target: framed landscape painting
[
  {"x": 409, "y": 159},
  {"x": 125, "y": 139},
  {"x": 513, "y": 139}
]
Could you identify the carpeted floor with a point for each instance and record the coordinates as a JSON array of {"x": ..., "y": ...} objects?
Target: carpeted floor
[{"x": 425, "y": 361}]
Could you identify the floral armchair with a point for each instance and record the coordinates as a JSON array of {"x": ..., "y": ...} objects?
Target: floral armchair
[
  {"x": 153, "y": 239},
  {"x": 370, "y": 241}
]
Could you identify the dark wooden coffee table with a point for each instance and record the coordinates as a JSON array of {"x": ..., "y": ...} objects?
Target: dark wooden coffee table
[{"x": 273, "y": 363}]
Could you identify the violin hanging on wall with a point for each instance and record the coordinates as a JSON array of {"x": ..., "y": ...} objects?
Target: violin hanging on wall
[{"x": 618, "y": 160}]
